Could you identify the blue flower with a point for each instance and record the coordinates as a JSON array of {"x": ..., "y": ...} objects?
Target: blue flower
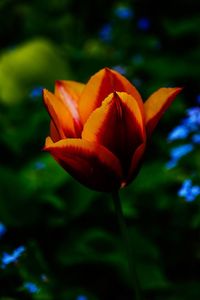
[
  {"x": 36, "y": 92},
  {"x": 31, "y": 287},
  {"x": 188, "y": 125},
  {"x": 194, "y": 114},
  {"x": 119, "y": 69},
  {"x": 2, "y": 229},
  {"x": 185, "y": 187},
  {"x": 179, "y": 132},
  {"x": 196, "y": 138},
  {"x": 124, "y": 12},
  {"x": 12, "y": 258},
  {"x": 192, "y": 121},
  {"x": 188, "y": 191},
  {"x": 198, "y": 99},
  {"x": 137, "y": 82},
  {"x": 171, "y": 164},
  {"x": 143, "y": 24},
  {"x": 81, "y": 297},
  {"x": 40, "y": 165},
  {"x": 106, "y": 33},
  {"x": 176, "y": 154}
]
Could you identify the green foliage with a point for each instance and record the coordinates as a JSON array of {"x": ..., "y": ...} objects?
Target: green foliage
[{"x": 37, "y": 62}]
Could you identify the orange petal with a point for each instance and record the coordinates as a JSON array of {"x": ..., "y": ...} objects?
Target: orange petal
[
  {"x": 90, "y": 163},
  {"x": 117, "y": 125},
  {"x": 156, "y": 105},
  {"x": 69, "y": 92},
  {"x": 72, "y": 88},
  {"x": 48, "y": 143},
  {"x": 54, "y": 132},
  {"x": 99, "y": 86},
  {"x": 135, "y": 164},
  {"x": 59, "y": 114}
]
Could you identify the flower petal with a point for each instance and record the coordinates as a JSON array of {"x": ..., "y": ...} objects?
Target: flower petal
[
  {"x": 48, "y": 143},
  {"x": 135, "y": 164},
  {"x": 69, "y": 92},
  {"x": 117, "y": 125},
  {"x": 59, "y": 114},
  {"x": 71, "y": 88},
  {"x": 90, "y": 163},
  {"x": 54, "y": 134},
  {"x": 99, "y": 86},
  {"x": 156, "y": 105}
]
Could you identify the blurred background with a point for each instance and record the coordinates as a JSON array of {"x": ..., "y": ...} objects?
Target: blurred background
[{"x": 58, "y": 239}]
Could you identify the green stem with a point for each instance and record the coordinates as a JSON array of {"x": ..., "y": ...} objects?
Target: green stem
[{"x": 125, "y": 237}]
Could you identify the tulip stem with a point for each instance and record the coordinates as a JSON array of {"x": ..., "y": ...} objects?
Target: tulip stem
[{"x": 127, "y": 245}]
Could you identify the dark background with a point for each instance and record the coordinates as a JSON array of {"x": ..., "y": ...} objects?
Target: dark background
[{"x": 70, "y": 233}]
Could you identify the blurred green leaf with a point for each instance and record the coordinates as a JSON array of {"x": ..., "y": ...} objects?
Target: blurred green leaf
[
  {"x": 34, "y": 63},
  {"x": 42, "y": 175},
  {"x": 180, "y": 28}
]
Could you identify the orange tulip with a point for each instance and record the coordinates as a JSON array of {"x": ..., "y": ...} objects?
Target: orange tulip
[{"x": 99, "y": 131}]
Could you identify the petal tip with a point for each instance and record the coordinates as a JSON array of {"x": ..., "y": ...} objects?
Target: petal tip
[
  {"x": 157, "y": 104},
  {"x": 46, "y": 93},
  {"x": 178, "y": 90},
  {"x": 58, "y": 83},
  {"x": 48, "y": 144},
  {"x": 106, "y": 69}
]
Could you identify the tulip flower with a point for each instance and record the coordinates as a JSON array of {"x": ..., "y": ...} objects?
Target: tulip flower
[{"x": 99, "y": 131}]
